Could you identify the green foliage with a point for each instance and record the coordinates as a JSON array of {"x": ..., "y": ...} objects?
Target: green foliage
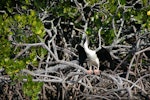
[
  {"x": 91, "y": 2},
  {"x": 13, "y": 67},
  {"x": 22, "y": 28},
  {"x": 15, "y": 27},
  {"x": 64, "y": 9},
  {"x": 30, "y": 20},
  {"x": 5, "y": 49},
  {"x": 108, "y": 36},
  {"x": 32, "y": 89}
]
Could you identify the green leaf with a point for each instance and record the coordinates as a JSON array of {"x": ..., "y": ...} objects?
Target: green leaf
[
  {"x": 32, "y": 13},
  {"x": 123, "y": 2},
  {"x": 24, "y": 7},
  {"x": 31, "y": 88}
]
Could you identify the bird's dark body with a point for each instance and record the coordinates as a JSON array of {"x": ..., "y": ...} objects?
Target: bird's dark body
[
  {"x": 82, "y": 55},
  {"x": 102, "y": 54}
]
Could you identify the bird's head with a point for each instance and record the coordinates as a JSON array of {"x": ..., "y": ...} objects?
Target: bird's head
[{"x": 84, "y": 39}]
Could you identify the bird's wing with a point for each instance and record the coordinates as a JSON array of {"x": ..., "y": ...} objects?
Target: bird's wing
[
  {"x": 82, "y": 54},
  {"x": 104, "y": 55}
]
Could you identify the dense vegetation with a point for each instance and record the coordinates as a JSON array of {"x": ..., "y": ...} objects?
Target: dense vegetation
[{"x": 38, "y": 56}]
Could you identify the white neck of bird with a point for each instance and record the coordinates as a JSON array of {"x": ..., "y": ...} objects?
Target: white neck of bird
[{"x": 86, "y": 46}]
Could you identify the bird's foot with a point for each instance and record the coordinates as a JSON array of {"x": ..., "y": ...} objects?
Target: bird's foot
[
  {"x": 90, "y": 72},
  {"x": 97, "y": 72}
]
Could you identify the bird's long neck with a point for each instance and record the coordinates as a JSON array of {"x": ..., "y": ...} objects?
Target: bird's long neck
[{"x": 86, "y": 46}]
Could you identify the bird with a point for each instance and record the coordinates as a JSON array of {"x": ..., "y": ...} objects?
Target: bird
[{"x": 93, "y": 57}]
